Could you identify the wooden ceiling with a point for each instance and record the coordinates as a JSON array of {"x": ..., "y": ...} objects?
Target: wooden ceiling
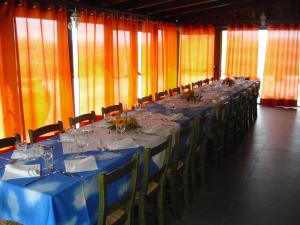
[{"x": 197, "y": 11}]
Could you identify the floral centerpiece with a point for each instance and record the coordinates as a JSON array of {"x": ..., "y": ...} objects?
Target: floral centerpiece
[
  {"x": 228, "y": 82},
  {"x": 128, "y": 123}
]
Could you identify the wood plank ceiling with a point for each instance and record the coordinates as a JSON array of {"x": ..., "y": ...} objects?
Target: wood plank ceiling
[{"x": 195, "y": 11}]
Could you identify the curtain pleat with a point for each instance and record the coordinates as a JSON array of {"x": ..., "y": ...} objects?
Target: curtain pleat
[
  {"x": 196, "y": 57},
  {"x": 46, "y": 86},
  {"x": 242, "y": 52},
  {"x": 11, "y": 120},
  {"x": 281, "y": 71}
]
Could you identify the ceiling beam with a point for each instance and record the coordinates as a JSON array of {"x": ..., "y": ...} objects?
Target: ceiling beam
[
  {"x": 147, "y": 4},
  {"x": 182, "y": 5},
  {"x": 213, "y": 7},
  {"x": 111, "y": 3}
]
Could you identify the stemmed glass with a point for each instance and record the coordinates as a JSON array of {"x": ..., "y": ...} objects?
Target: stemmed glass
[
  {"x": 48, "y": 158},
  {"x": 82, "y": 142},
  {"x": 22, "y": 146}
]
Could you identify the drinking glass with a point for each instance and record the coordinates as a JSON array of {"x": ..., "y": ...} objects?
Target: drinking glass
[
  {"x": 48, "y": 158},
  {"x": 82, "y": 142},
  {"x": 22, "y": 146}
]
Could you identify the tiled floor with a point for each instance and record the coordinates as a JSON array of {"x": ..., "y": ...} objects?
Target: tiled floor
[{"x": 260, "y": 183}]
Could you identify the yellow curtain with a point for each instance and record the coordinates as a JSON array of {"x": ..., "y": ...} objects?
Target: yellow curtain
[
  {"x": 149, "y": 52},
  {"x": 242, "y": 52},
  {"x": 281, "y": 71},
  {"x": 196, "y": 57},
  {"x": 167, "y": 56},
  {"x": 43, "y": 49},
  {"x": 11, "y": 121}
]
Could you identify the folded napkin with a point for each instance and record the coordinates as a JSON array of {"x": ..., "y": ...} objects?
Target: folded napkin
[
  {"x": 14, "y": 171},
  {"x": 125, "y": 142},
  {"x": 80, "y": 165},
  {"x": 174, "y": 117},
  {"x": 33, "y": 151},
  {"x": 104, "y": 124},
  {"x": 152, "y": 129}
]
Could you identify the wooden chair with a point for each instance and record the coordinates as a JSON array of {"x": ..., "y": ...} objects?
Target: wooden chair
[
  {"x": 186, "y": 87},
  {"x": 145, "y": 100},
  {"x": 153, "y": 184},
  {"x": 39, "y": 134},
  {"x": 216, "y": 137},
  {"x": 112, "y": 109},
  {"x": 119, "y": 212},
  {"x": 8, "y": 144},
  {"x": 160, "y": 95},
  {"x": 196, "y": 84},
  {"x": 179, "y": 170},
  {"x": 202, "y": 129},
  {"x": 174, "y": 91},
  {"x": 83, "y": 119}
]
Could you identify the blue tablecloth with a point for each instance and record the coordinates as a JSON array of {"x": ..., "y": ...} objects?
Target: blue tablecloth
[{"x": 59, "y": 199}]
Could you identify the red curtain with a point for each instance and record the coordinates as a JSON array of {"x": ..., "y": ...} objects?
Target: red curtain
[
  {"x": 281, "y": 72},
  {"x": 242, "y": 52},
  {"x": 196, "y": 56}
]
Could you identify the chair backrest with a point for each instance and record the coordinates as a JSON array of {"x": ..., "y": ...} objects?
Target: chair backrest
[
  {"x": 201, "y": 129},
  {"x": 172, "y": 91},
  {"x": 186, "y": 87},
  {"x": 35, "y": 134},
  {"x": 128, "y": 170},
  {"x": 145, "y": 100},
  {"x": 113, "y": 108},
  {"x": 196, "y": 84},
  {"x": 160, "y": 95},
  {"x": 159, "y": 175},
  {"x": 8, "y": 144},
  {"x": 88, "y": 117}
]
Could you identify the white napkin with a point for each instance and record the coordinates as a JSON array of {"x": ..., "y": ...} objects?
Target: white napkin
[
  {"x": 14, "y": 171},
  {"x": 80, "y": 165},
  {"x": 126, "y": 142},
  {"x": 33, "y": 151},
  {"x": 103, "y": 124},
  {"x": 174, "y": 117},
  {"x": 152, "y": 129}
]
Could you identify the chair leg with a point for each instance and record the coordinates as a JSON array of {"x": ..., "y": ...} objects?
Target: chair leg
[
  {"x": 174, "y": 199},
  {"x": 186, "y": 186},
  {"x": 160, "y": 202},
  {"x": 142, "y": 217}
]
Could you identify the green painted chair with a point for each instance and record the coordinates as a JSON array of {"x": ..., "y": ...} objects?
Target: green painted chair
[
  {"x": 83, "y": 119},
  {"x": 179, "y": 170},
  {"x": 121, "y": 211},
  {"x": 153, "y": 185},
  {"x": 202, "y": 129},
  {"x": 39, "y": 134}
]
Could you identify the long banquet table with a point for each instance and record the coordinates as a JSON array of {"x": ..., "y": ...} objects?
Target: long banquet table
[{"x": 61, "y": 199}]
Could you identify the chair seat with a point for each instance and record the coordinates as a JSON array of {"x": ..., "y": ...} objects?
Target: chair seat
[
  {"x": 152, "y": 187},
  {"x": 115, "y": 216}
]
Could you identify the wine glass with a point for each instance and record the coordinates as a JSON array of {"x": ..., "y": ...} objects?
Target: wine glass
[
  {"x": 82, "y": 143},
  {"x": 22, "y": 147},
  {"x": 48, "y": 158}
]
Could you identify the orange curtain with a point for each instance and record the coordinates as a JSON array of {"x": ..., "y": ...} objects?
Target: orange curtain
[
  {"x": 43, "y": 49},
  {"x": 281, "y": 71},
  {"x": 121, "y": 59},
  {"x": 10, "y": 102},
  {"x": 242, "y": 52},
  {"x": 167, "y": 56},
  {"x": 196, "y": 57},
  {"x": 149, "y": 53},
  {"x": 91, "y": 57},
  {"x": 108, "y": 61}
]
